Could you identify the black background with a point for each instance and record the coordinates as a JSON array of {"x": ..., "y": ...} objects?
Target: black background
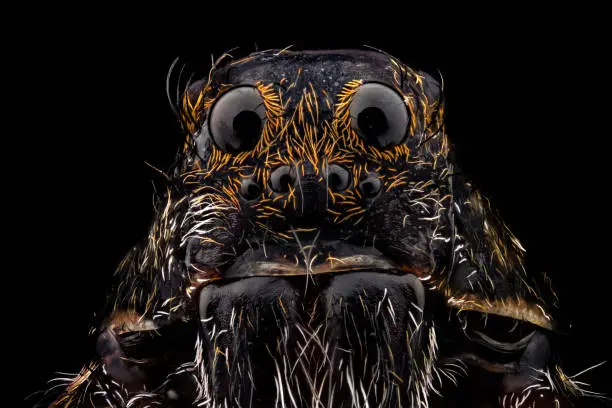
[{"x": 527, "y": 111}]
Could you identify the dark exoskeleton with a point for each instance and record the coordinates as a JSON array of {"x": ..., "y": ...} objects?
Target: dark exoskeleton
[{"x": 316, "y": 246}]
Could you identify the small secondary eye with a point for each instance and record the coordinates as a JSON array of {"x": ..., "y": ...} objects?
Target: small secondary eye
[
  {"x": 249, "y": 189},
  {"x": 337, "y": 177},
  {"x": 379, "y": 115},
  {"x": 237, "y": 118},
  {"x": 370, "y": 186}
]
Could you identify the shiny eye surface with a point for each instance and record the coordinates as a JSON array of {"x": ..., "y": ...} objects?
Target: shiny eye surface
[
  {"x": 379, "y": 115},
  {"x": 370, "y": 186},
  {"x": 337, "y": 177},
  {"x": 236, "y": 119},
  {"x": 249, "y": 189}
]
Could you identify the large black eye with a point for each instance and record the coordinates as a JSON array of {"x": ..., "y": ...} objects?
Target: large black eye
[
  {"x": 379, "y": 114},
  {"x": 236, "y": 119}
]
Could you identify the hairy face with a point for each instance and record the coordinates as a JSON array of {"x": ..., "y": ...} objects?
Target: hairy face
[
  {"x": 314, "y": 218},
  {"x": 317, "y": 247},
  {"x": 316, "y": 150}
]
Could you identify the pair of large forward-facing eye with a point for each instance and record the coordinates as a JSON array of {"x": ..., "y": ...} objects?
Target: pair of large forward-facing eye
[{"x": 378, "y": 114}]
